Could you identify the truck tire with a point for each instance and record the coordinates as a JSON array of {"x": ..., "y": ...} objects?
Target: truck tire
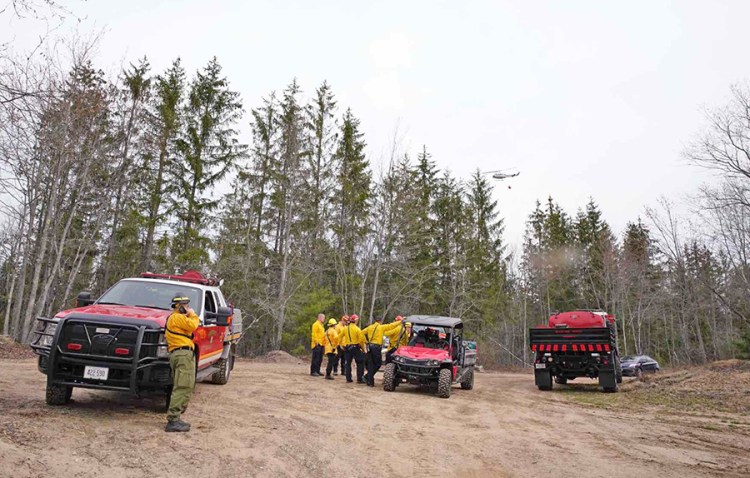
[
  {"x": 618, "y": 368},
  {"x": 389, "y": 377},
  {"x": 445, "y": 380},
  {"x": 221, "y": 377},
  {"x": 543, "y": 379},
  {"x": 639, "y": 373},
  {"x": 468, "y": 382},
  {"x": 58, "y": 394},
  {"x": 561, "y": 380},
  {"x": 608, "y": 382}
]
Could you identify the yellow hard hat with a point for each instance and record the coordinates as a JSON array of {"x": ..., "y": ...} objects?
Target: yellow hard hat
[
  {"x": 408, "y": 324},
  {"x": 331, "y": 321}
]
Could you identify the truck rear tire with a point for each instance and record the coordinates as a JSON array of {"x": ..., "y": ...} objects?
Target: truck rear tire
[
  {"x": 221, "y": 377},
  {"x": 618, "y": 368},
  {"x": 468, "y": 382},
  {"x": 445, "y": 380},
  {"x": 543, "y": 379},
  {"x": 389, "y": 377},
  {"x": 58, "y": 394},
  {"x": 608, "y": 382}
]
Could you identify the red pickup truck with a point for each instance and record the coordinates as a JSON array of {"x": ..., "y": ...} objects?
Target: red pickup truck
[{"x": 116, "y": 342}]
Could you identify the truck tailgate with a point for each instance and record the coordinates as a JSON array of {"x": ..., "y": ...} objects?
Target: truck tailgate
[{"x": 594, "y": 339}]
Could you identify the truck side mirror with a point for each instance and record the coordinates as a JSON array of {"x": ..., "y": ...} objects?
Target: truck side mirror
[
  {"x": 223, "y": 316},
  {"x": 84, "y": 299}
]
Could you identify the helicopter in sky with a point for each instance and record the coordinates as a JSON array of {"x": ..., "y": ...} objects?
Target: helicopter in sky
[{"x": 503, "y": 174}]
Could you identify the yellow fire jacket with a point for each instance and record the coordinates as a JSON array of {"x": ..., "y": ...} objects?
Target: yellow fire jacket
[
  {"x": 352, "y": 335},
  {"x": 179, "y": 330},
  {"x": 375, "y": 331},
  {"x": 318, "y": 334},
  {"x": 394, "y": 334},
  {"x": 331, "y": 341}
]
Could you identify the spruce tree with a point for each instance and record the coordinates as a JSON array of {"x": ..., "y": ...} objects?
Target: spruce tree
[
  {"x": 163, "y": 125},
  {"x": 351, "y": 204},
  {"x": 208, "y": 149}
]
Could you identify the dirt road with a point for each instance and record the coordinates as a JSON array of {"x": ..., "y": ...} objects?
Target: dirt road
[{"x": 275, "y": 420}]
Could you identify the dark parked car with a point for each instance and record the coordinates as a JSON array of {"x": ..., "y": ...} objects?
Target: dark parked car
[{"x": 636, "y": 365}]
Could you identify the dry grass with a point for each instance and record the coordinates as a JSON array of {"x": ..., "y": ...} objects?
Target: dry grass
[{"x": 718, "y": 387}]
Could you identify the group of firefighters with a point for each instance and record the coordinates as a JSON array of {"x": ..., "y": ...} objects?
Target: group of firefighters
[{"x": 344, "y": 342}]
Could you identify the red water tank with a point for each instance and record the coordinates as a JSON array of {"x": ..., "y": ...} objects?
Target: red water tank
[{"x": 580, "y": 319}]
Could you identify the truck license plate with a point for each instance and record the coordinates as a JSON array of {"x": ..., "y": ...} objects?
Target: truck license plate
[
  {"x": 541, "y": 365},
  {"x": 96, "y": 373}
]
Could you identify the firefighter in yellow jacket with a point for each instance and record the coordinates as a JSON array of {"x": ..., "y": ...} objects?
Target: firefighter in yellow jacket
[
  {"x": 397, "y": 337},
  {"x": 331, "y": 347},
  {"x": 317, "y": 345},
  {"x": 374, "y": 338},
  {"x": 353, "y": 342},
  {"x": 339, "y": 327},
  {"x": 180, "y": 326}
]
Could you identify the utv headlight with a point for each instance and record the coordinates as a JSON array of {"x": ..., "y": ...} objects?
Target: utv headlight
[
  {"x": 434, "y": 362},
  {"x": 162, "y": 351},
  {"x": 398, "y": 359}
]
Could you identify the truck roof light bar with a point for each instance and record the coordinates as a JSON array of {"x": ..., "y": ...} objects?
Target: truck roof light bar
[{"x": 191, "y": 276}]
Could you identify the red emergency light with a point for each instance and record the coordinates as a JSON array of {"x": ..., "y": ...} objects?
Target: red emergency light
[{"x": 191, "y": 276}]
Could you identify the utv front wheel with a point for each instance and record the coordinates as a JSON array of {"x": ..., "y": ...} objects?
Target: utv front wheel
[
  {"x": 58, "y": 394},
  {"x": 444, "y": 383},
  {"x": 389, "y": 377},
  {"x": 468, "y": 382}
]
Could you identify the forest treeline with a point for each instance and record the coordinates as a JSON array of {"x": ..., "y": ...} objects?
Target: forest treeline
[{"x": 103, "y": 178}]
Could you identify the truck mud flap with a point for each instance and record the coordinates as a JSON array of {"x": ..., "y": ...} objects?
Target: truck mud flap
[{"x": 543, "y": 379}]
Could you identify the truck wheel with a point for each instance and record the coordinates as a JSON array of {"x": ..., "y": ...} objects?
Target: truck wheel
[
  {"x": 58, "y": 394},
  {"x": 543, "y": 379},
  {"x": 468, "y": 382},
  {"x": 561, "y": 380},
  {"x": 618, "y": 368},
  {"x": 608, "y": 382},
  {"x": 444, "y": 383},
  {"x": 389, "y": 377},
  {"x": 639, "y": 373},
  {"x": 221, "y": 377}
]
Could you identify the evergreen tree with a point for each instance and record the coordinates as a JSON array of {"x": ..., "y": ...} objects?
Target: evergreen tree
[
  {"x": 351, "y": 203},
  {"x": 208, "y": 149},
  {"x": 485, "y": 264},
  {"x": 164, "y": 125}
]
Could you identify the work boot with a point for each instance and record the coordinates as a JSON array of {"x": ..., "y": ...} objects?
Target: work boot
[
  {"x": 328, "y": 377},
  {"x": 177, "y": 426},
  {"x": 348, "y": 380},
  {"x": 360, "y": 381},
  {"x": 318, "y": 374},
  {"x": 335, "y": 373}
]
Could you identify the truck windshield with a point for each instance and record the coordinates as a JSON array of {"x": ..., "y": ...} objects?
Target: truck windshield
[{"x": 146, "y": 293}]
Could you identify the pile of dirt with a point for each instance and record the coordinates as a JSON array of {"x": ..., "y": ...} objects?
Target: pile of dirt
[
  {"x": 10, "y": 349},
  {"x": 278, "y": 356}
]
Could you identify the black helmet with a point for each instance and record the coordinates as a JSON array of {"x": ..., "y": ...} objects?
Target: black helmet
[{"x": 180, "y": 299}]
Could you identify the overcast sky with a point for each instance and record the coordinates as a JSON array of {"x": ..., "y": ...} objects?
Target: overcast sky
[{"x": 584, "y": 98}]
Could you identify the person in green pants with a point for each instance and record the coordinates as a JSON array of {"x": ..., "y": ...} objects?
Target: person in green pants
[{"x": 180, "y": 326}]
